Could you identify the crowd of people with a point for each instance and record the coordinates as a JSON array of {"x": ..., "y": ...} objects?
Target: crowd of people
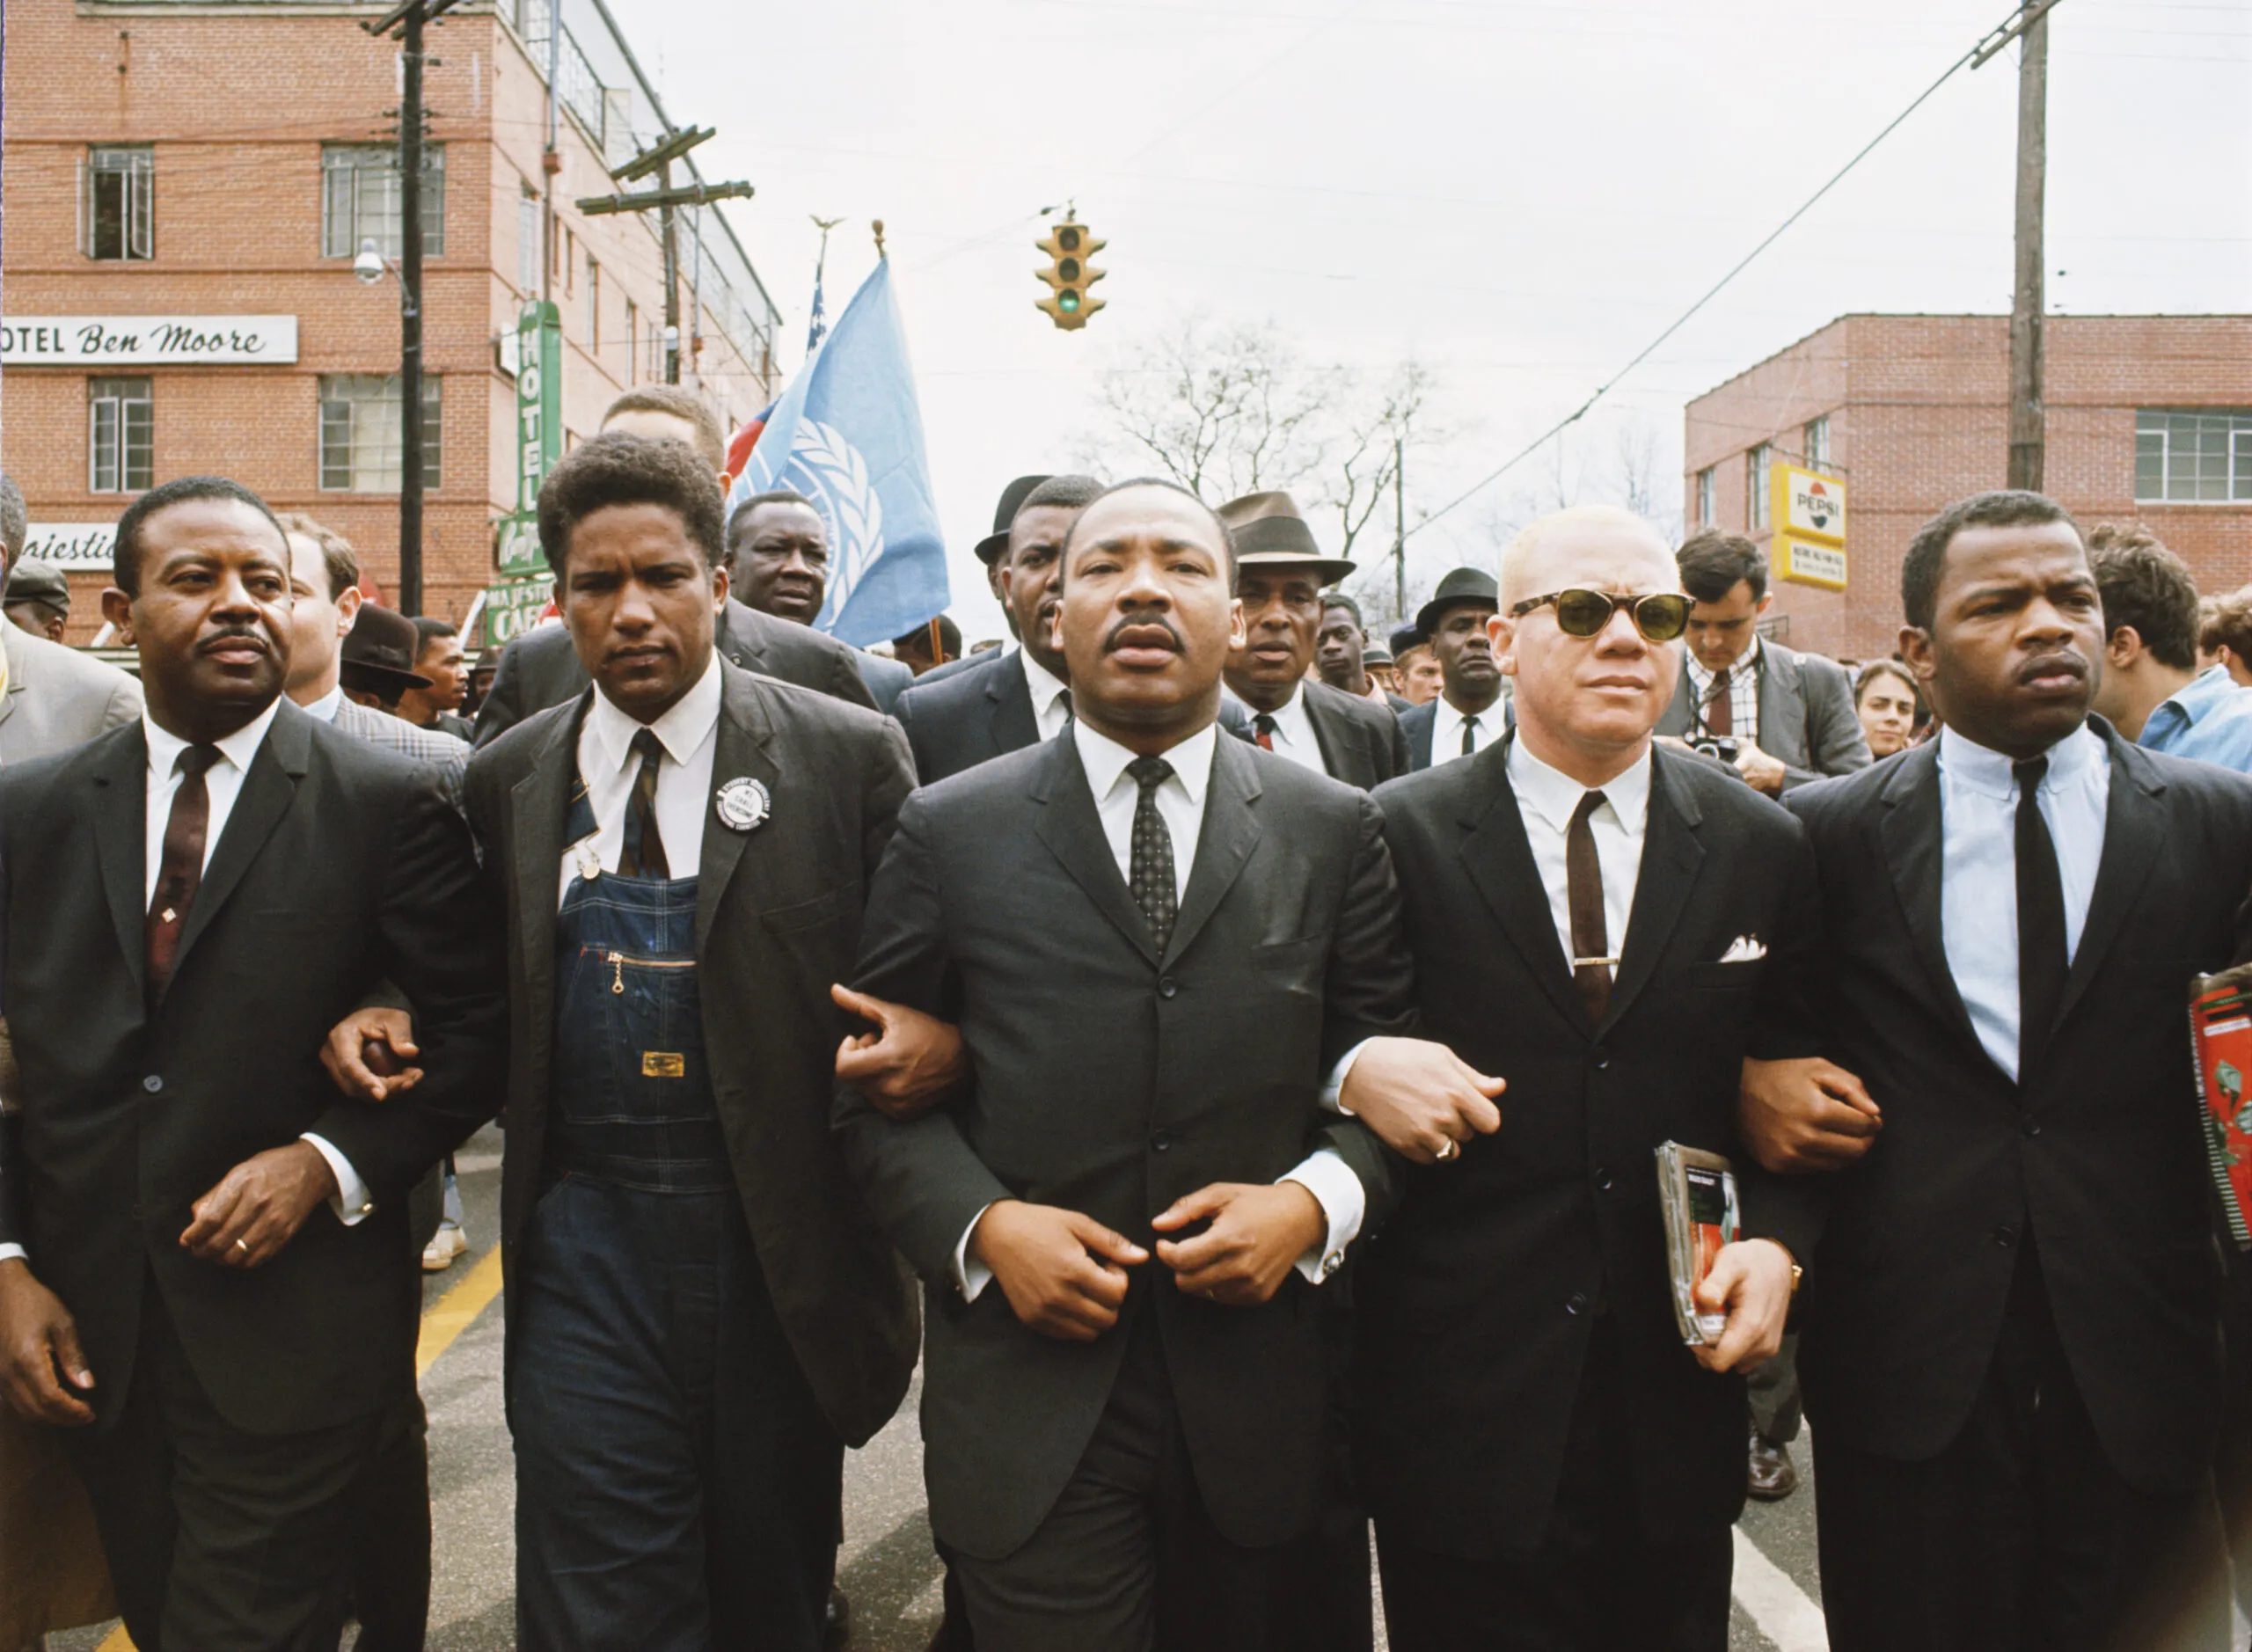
[{"x": 1229, "y": 1051}]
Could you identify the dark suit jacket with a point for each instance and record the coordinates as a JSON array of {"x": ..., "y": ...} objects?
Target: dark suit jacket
[
  {"x": 2099, "y": 1158},
  {"x": 342, "y": 866},
  {"x": 1806, "y": 720},
  {"x": 968, "y": 717},
  {"x": 886, "y": 680},
  {"x": 1111, "y": 1081},
  {"x": 1476, "y": 1303},
  {"x": 1417, "y": 724},
  {"x": 541, "y": 669},
  {"x": 1361, "y": 745},
  {"x": 777, "y": 908}
]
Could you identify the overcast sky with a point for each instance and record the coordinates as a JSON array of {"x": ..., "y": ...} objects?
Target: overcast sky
[{"x": 1521, "y": 192}]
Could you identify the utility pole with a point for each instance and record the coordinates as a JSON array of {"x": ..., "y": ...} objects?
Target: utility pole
[
  {"x": 2028, "y": 413},
  {"x": 1400, "y": 527},
  {"x": 671, "y": 238},
  {"x": 665, "y": 199}
]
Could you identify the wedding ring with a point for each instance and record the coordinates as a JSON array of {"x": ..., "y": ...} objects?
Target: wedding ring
[
  {"x": 1448, "y": 1151},
  {"x": 243, "y": 1248}
]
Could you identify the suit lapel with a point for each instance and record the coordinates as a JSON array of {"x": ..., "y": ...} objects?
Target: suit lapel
[
  {"x": 2134, "y": 837},
  {"x": 1419, "y": 738},
  {"x": 1498, "y": 858},
  {"x": 1331, "y": 738},
  {"x": 1672, "y": 858},
  {"x": 1069, "y": 825},
  {"x": 738, "y": 639},
  {"x": 120, "y": 808},
  {"x": 1014, "y": 724},
  {"x": 266, "y": 792},
  {"x": 1914, "y": 839},
  {"x": 1782, "y": 704},
  {"x": 537, "y": 805},
  {"x": 1231, "y": 831},
  {"x": 744, "y": 738}
]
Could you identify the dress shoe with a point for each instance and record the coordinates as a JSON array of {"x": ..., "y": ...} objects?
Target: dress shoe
[{"x": 1772, "y": 1475}]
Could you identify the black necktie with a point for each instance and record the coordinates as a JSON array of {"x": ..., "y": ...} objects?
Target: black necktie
[
  {"x": 180, "y": 872},
  {"x": 1262, "y": 731},
  {"x": 644, "y": 854},
  {"x": 1470, "y": 736},
  {"x": 2041, "y": 962},
  {"x": 1583, "y": 894},
  {"x": 1064, "y": 700},
  {"x": 1149, "y": 864}
]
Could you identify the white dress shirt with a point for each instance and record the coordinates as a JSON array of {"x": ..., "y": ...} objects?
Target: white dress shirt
[
  {"x": 1978, "y": 867},
  {"x": 324, "y": 709},
  {"x": 1546, "y": 799},
  {"x": 1742, "y": 693},
  {"x": 1294, "y": 737},
  {"x": 1180, "y": 803},
  {"x": 1049, "y": 709},
  {"x": 689, "y": 733},
  {"x": 1446, "y": 728}
]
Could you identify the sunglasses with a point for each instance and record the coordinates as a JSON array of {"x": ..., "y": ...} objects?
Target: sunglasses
[{"x": 1661, "y": 616}]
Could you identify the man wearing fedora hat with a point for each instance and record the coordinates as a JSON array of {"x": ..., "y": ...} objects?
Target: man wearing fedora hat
[
  {"x": 1468, "y": 715},
  {"x": 1280, "y": 575}
]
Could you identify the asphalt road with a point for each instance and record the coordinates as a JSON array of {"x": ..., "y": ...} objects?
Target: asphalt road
[{"x": 887, "y": 1568}]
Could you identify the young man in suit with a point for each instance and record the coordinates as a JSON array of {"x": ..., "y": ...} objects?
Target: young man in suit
[
  {"x": 1612, "y": 928},
  {"x": 2013, "y": 1358},
  {"x": 1468, "y": 713},
  {"x": 1280, "y": 573},
  {"x": 223, "y": 1349},
  {"x": 1791, "y": 714},
  {"x": 1122, "y": 1222}
]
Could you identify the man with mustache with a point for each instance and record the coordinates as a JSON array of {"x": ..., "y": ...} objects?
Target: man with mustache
[
  {"x": 1158, "y": 945},
  {"x": 204, "y": 1263},
  {"x": 2012, "y": 1356}
]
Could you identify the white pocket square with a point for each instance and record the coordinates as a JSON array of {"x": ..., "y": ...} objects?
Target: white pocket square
[{"x": 1744, "y": 949}]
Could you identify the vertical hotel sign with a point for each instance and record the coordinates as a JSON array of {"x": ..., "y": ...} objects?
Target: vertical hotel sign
[
  {"x": 1808, "y": 511},
  {"x": 514, "y": 604}
]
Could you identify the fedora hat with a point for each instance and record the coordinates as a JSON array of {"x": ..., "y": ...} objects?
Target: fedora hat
[
  {"x": 1012, "y": 498},
  {"x": 1269, "y": 533},
  {"x": 378, "y": 654},
  {"x": 1462, "y": 587}
]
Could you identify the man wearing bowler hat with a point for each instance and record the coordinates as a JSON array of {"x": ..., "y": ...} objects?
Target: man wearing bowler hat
[
  {"x": 1468, "y": 715},
  {"x": 993, "y": 551},
  {"x": 1280, "y": 575}
]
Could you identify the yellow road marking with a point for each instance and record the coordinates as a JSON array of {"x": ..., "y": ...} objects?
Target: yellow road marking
[{"x": 442, "y": 1321}]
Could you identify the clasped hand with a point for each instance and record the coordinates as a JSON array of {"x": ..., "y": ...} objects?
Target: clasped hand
[{"x": 1066, "y": 1275}]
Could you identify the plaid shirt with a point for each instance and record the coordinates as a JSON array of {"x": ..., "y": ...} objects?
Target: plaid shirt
[
  {"x": 442, "y": 752},
  {"x": 1742, "y": 694}
]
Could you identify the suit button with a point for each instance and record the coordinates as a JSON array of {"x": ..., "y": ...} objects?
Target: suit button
[
  {"x": 1602, "y": 1179},
  {"x": 1601, "y": 1058},
  {"x": 1162, "y": 1142},
  {"x": 1167, "y": 988},
  {"x": 2005, "y": 1235},
  {"x": 2032, "y": 1128},
  {"x": 1578, "y": 1303},
  {"x": 152, "y": 1084}
]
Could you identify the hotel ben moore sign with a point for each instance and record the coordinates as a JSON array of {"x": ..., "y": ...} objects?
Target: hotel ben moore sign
[{"x": 148, "y": 340}]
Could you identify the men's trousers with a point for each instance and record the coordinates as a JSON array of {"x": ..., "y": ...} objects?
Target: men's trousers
[
  {"x": 2020, "y": 1536},
  {"x": 678, "y": 1487},
  {"x": 1776, "y": 1408},
  {"x": 1129, "y": 1559},
  {"x": 220, "y": 1540},
  {"x": 1596, "y": 1583}
]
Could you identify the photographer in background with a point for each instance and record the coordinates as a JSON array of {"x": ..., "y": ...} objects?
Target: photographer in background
[{"x": 1790, "y": 715}]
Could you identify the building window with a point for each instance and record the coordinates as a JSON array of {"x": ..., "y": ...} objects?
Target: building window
[
  {"x": 2193, "y": 456},
  {"x": 360, "y": 436},
  {"x": 632, "y": 340},
  {"x": 1755, "y": 487},
  {"x": 1818, "y": 442},
  {"x": 1704, "y": 497},
  {"x": 117, "y": 205},
  {"x": 120, "y": 436},
  {"x": 527, "y": 238},
  {"x": 359, "y": 199}
]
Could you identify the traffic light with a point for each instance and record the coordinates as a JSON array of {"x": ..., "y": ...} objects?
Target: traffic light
[{"x": 1068, "y": 246}]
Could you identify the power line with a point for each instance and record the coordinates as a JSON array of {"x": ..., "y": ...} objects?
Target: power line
[{"x": 1988, "y": 44}]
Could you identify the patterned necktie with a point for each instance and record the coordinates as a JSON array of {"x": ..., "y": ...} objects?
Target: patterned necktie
[
  {"x": 1583, "y": 894},
  {"x": 1063, "y": 699},
  {"x": 1149, "y": 865},
  {"x": 1719, "y": 704},
  {"x": 1470, "y": 735},
  {"x": 1262, "y": 731},
  {"x": 180, "y": 872},
  {"x": 644, "y": 854},
  {"x": 2042, "y": 965}
]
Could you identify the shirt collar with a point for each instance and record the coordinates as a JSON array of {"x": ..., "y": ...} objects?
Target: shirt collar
[
  {"x": 1747, "y": 661},
  {"x": 1556, "y": 796},
  {"x": 681, "y": 731},
  {"x": 1990, "y": 773},
  {"x": 2208, "y": 691},
  {"x": 1044, "y": 684},
  {"x": 324, "y": 709},
  {"x": 235, "y": 749},
  {"x": 1104, "y": 760}
]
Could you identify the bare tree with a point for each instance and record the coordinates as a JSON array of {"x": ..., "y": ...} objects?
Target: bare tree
[{"x": 1222, "y": 409}]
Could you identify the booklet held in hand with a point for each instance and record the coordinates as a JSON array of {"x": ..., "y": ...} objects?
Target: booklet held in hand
[{"x": 1696, "y": 1192}]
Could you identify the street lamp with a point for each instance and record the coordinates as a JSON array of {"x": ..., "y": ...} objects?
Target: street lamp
[
  {"x": 370, "y": 266},
  {"x": 368, "y": 269}
]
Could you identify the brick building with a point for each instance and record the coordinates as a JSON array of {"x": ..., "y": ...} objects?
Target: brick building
[
  {"x": 2149, "y": 418},
  {"x": 186, "y": 187}
]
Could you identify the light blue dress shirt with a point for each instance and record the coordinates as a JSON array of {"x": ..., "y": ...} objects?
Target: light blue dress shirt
[
  {"x": 1978, "y": 867},
  {"x": 2210, "y": 720}
]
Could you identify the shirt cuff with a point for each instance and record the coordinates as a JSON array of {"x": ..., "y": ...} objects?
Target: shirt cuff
[
  {"x": 1332, "y": 1092},
  {"x": 14, "y": 1254},
  {"x": 1330, "y": 1180},
  {"x": 351, "y": 1203},
  {"x": 970, "y": 1276}
]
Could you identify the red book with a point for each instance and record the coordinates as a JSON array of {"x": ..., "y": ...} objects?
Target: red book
[{"x": 2220, "y": 1035}]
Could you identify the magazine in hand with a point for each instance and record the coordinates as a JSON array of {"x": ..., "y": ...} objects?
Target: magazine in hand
[
  {"x": 1696, "y": 1192},
  {"x": 2220, "y": 1035}
]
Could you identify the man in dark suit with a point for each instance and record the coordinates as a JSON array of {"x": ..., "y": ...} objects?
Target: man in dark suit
[
  {"x": 223, "y": 1349},
  {"x": 1279, "y": 575},
  {"x": 992, "y": 551},
  {"x": 1121, "y": 1231},
  {"x": 1469, "y": 713},
  {"x": 2013, "y": 1357},
  {"x": 1612, "y": 929},
  {"x": 1016, "y": 698},
  {"x": 1791, "y": 714},
  {"x": 778, "y": 557}
]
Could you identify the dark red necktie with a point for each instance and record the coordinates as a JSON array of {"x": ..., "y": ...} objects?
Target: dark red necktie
[
  {"x": 1719, "y": 704},
  {"x": 1262, "y": 730},
  {"x": 181, "y": 873},
  {"x": 1584, "y": 897}
]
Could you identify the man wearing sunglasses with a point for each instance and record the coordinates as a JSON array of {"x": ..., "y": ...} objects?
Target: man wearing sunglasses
[
  {"x": 1612, "y": 928},
  {"x": 1790, "y": 714}
]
